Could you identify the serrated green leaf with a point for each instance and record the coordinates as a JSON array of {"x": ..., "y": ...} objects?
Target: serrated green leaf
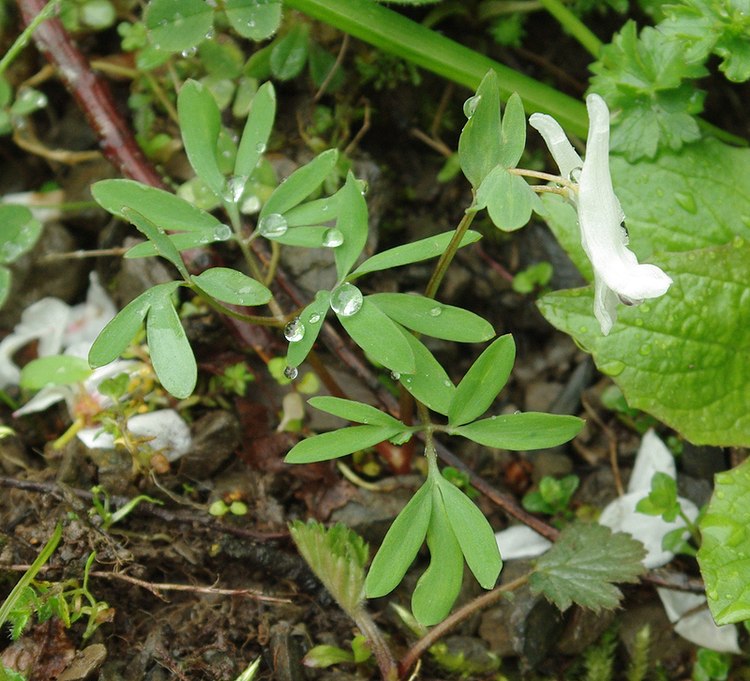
[
  {"x": 163, "y": 245},
  {"x": 354, "y": 411},
  {"x": 200, "y": 125},
  {"x": 379, "y": 337},
  {"x": 401, "y": 544},
  {"x": 417, "y": 251},
  {"x": 508, "y": 198},
  {"x": 583, "y": 565},
  {"x": 300, "y": 184},
  {"x": 20, "y": 231},
  {"x": 480, "y": 144},
  {"x": 175, "y": 25},
  {"x": 522, "y": 431},
  {"x": 231, "y": 286},
  {"x": 254, "y": 19},
  {"x": 54, "y": 370},
  {"x": 432, "y": 318},
  {"x": 171, "y": 354},
  {"x": 513, "y": 132},
  {"x": 474, "y": 534},
  {"x": 5, "y": 280},
  {"x": 352, "y": 223},
  {"x": 430, "y": 383},
  {"x": 483, "y": 381},
  {"x": 257, "y": 129},
  {"x": 438, "y": 587},
  {"x": 311, "y": 318},
  {"x": 289, "y": 52},
  {"x": 724, "y": 554},
  {"x": 339, "y": 443}
]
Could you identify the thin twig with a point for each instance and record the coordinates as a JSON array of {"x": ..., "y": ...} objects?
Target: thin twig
[{"x": 333, "y": 70}]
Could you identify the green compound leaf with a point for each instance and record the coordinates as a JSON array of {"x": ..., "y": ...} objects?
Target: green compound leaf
[
  {"x": 483, "y": 381},
  {"x": 289, "y": 52},
  {"x": 54, "y": 370},
  {"x": 679, "y": 357},
  {"x": 380, "y": 337},
  {"x": 162, "y": 243},
  {"x": 340, "y": 443},
  {"x": 5, "y": 279},
  {"x": 352, "y": 224},
  {"x": 474, "y": 534},
  {"x": 200, "y": 124},
  {"x": 430, "y": 383},
  {"x": 438, "y": 587},
  {"x": 254, "y": 19},
  {"x": 522, "y": 431},
  {"x": 20, "y": 231},
  {"x": 300, "y": 184},
  {"x": 508, "y": 198},
  {"x": 417, "y": 251},
  {"x": 583, "y": 564},
  {"x": 432, "y": 318},
  {"x": 231, "y": 286},
  {"x": 401, "y": 543},
  {"x": 311, "y": 319},
  {"x": 117, "y": 334},
  {"x": 257, "y": 130},
  {"x": 354, "y": 411},
  {"x": 171, "y": 354},
  {"x": 724, "y": 555},
  {"x": 175, "y": 25}
]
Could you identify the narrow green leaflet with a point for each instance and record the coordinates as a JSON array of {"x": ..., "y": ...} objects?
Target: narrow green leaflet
[
  {"x": 432, "y": 318},
  {"x": 583, "y": 565},
  {"x": 474, "y": 534},
  {"x": 316, "y": 212},
  {"x": 163, "y": 245},
  {"x": 401, "y": 544},
  {"x": 20, "y": 231},
  {"x": 300, "y": 184},
  {"x": 200, "y": 124},
  {"x": 311, "y": 320},
  {"x": 522, "y": 431},
  {"x": 483, "y": 381},
  {"x": 355, "y": 411},
  {"x": 513, "y": 132},
  {"x": 171, "y": 354},
  {"x": 254, "y": 19},
  {"x": 380, "y": 337},
  {"x": 430, "y": 383},
  {"x": 508, "y": 198},
  {"x": 352, "y": 226},
  {"x": 54, "y": 370},
  {"x": 339, "y": 443},
  {"x": 438, "y": 587},
  {"x": 231, "y": 286},
  {"x": 289, "y": 52},
  {"x": 181, "y": 241},
  {"x": 724, "y": 555},
  {"x": 305, "y": 237},
  {"x": 117, "y": 334},
  {"x": 4, "y": 284},
  {"x": 417, "y": 251},
  {"x": 175, "y": 25},
  {"x": 680, "y": 357},
  {"x": 257, "y": 129}
]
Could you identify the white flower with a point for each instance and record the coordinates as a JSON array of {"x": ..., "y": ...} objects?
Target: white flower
[{"x": 617, "y": 274}]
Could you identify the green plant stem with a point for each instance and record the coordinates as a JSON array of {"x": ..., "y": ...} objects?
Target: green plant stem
[
  {"x": 47, "y": 11},
  {"x": 447, "y": 257},
  {"x": 692, "y": 528},
  {"x": 376, "y": 641},
  {"x": 574, "y": 26},
  {"x": 454, "y": 619},
  {"x": 394, "y": 33}
]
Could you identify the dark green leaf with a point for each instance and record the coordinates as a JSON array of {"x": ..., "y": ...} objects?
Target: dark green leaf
[
  {"x": 474, "y": 534},
  {"x": 176, "y": 25},
  {"x": 54, "y": 370},
  {"x": 508, "y": 199},
  {"x": 289, "y": 52},
  {"x": 401, "y": 544},
  {"x": 483, "y": 381},
  {"x": 417, "y": 251},
  {"x": 521, "y": 432},
  {"x": 5, "y": 280},
  {"x": 724, "y": 555},
  {"x": 513, "y": 132},
  {"x": 339, "y": 443},
  {"x": 20, "y": 231},
  {"x": 257, "y": 130},
  {"x": 254, "y": 19},
  {"x": 432, "y": 318},
  {"x": 379, "y": 337},
  {"x": 231, "y": 286},
  {"x": 583, "y": 564},
  {"x": 170, "y": 349},
  {"x": 200, "y": 124},
  {"x": 430, "y": 383},
  {"x": 355, "y": 411},
  {"x": 158, "y": 238},
  {"x": 311, "y": 318},
  {"x": 352, "y": 223}
]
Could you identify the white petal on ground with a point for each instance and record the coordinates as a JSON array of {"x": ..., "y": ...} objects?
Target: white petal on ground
[
  {"x": 45, "y": 320},
  {"x": 520, "y": 541},
  {"x": 653, "y": 457},
  {"x": 697, "y": 625},
  {"x": 96, "y": 438},
  {"x": 170, "y": 434},
  {"x": 44, "y": 399},
  {"x": 87, "y": 319}
]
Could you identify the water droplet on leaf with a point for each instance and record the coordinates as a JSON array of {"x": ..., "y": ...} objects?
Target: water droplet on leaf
[
  {"x": 333, "y": 237},
  {"x": 260, "y": 147},
  {"x": 222, "y": 232},
  {"x": 686, "y": 201},
  {"x": 314, "y": 318},
  {"x": 346, "y": 300},
  {"x": 612, "y": 368},
  {"x": 291, "y": 373},
  {"x": 294, "y": 331},
  {"x": 436, "y": 311},
  {"x": 235, "y": 188},
  {"x": 272, "y": 225},
  {"x": 470, "y": 105}
]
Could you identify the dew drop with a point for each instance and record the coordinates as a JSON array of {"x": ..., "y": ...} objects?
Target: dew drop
[
  {"x": 346, "y": 300},
  {"x": 575, "y": 174},
  {"x": 333, "y": 237},
  {"x": 613, "y": 368},
  {"x": 686, "y": 201},
  {"x": 294, "y": 331},
  {"x": 470, "y": 105},
  {"x": 250, "y": 205},
  {"x": 645, "y": 349},
  {"x": 436, "y": 311},
  {"x": 395, "y": 375},
  {"x": 314, "y": 318},
  {"x": 260, "y": 147},
  {"x": 291, "y": 373},
  {"x": 235, "y": 188},
  {"x": 190, "y": 52},
  {"x": 272, "y": 225},
  {"x": 222, "y": 232}
]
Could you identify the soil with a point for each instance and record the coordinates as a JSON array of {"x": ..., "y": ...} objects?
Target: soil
[{"x": 186, "y": 595}]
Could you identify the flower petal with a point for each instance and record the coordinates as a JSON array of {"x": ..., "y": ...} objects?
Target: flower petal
[
  {"x": 653, "y": 457},
  {"x": 520, "y": 541},
  {"x": 45, "y": 398},
  {"x": 167, "y": 430},
  {"x": 557, "y": 142}
]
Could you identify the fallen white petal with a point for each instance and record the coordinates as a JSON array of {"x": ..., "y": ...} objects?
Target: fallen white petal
[
  {"x": 86, "y": 320},
  {"x": 520, "y": 541},
  {"x": 96, "y": 438},
  {"x": 653, "y": 457},
  {"x": 44, "y": 399},
  {"x": 168, "y": 432}
]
